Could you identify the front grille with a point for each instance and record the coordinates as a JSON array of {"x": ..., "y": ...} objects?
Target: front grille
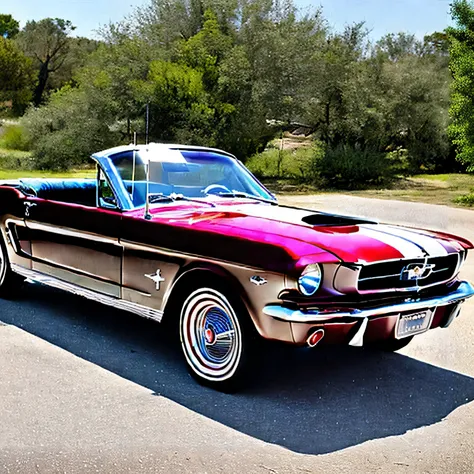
[{"x": 388, "y": 275}]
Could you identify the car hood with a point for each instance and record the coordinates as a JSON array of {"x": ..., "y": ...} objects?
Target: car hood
[{"x": 305, "y": 234}]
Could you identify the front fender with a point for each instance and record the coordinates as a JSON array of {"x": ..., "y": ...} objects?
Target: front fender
[{"x": 240, "y": 281}]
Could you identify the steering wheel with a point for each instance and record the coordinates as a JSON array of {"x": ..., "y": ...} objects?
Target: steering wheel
[{"x": 216, "y": 187}]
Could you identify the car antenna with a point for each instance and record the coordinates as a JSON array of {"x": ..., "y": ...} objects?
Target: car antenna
[
  {"x": 147, "y": 202},
  {"x": 147, "y": 123},
  {"x": 134, "y": 162}
]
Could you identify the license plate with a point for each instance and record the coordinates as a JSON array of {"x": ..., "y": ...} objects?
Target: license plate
[{"x": 414, "y": 323}]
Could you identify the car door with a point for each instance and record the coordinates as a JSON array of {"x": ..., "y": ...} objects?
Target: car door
[{"x": 76, "y": 243}]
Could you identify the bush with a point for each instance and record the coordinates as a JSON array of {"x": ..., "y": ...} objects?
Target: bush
[
  {"x": 15, "y": 160},
  {"x": 347, "y": 167},
  {"x": 466, "y": 200},
  {"x": 291, "y": 164},
  {"x": 15, "y": 137},
  {"x": 65, "y": 132}
]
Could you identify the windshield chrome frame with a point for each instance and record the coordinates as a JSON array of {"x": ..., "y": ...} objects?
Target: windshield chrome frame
[
  {"x": 122, "y": 196},
  {"x": 124, "y": 201}
]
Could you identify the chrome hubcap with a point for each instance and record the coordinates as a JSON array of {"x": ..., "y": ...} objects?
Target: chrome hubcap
[
  {"x": 215, "y": 334},
  {"x": 210, "y": 335}
]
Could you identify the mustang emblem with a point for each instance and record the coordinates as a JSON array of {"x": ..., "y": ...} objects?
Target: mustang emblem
[
  {"x": 416, "y": 272},
  {"x": 258, "y": 280},
  {"x": 157, "y": 278}
]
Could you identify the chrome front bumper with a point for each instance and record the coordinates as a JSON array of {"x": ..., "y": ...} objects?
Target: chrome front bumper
[{"x": 312, "y": 316}]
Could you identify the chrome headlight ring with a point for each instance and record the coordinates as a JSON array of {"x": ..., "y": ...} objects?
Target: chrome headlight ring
[{"x": 310, "y": 280}]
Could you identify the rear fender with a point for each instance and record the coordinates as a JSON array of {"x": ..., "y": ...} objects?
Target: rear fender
[{"x": 12, "y": 225}]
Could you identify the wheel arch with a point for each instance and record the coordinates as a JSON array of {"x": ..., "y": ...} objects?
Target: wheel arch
[{"x": 204, "y": 274}]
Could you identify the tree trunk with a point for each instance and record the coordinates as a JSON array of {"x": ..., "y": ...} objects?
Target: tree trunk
[
  {"x": 327, "y": 120},
  {"x": 42, "y": 81}
]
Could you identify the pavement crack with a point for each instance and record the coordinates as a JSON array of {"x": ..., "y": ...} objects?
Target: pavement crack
[{"x": 268, "y": 468}]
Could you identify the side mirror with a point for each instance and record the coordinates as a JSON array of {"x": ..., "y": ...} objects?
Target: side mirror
[{"x": 107, "y": 203}]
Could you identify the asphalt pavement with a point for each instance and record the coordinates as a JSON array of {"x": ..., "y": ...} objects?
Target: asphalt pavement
[{"x": 86, "y": 388}]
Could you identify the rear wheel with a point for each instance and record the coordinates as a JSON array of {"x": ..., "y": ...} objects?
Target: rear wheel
[
  {"x": 391, "y": 345},
  {"x": 216, "y": 338},
  {"x": 10, "y": 283}
]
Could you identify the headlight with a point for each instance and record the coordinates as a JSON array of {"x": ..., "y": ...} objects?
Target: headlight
[{"x": 310, "y": 280}]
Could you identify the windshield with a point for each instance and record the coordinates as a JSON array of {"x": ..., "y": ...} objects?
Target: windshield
[{"x": 190, "y": 173}]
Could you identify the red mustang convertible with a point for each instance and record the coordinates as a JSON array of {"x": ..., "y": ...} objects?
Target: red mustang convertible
[{"x": 188, "y": 235}]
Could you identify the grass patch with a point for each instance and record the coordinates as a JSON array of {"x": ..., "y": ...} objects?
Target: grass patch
[
  {"x": 15, "y": 159},
  {"x": 433, "y": 189},
  {"x": 445, "y": 189},
  {"x": 15, "y": 174},
  {"x": 16, "y": 164}
]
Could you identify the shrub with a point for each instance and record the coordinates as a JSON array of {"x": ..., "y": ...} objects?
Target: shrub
[
  {"x": 265, "y": 164},
  {"x": 348, "y": 167},
  {"x": 295, "y": 164},
  {"x": 466, "y": 200},
  {"x": 65, "y": 132},
  {"x": 14, "y": 159},
  {"x": 15, "y": 137}
]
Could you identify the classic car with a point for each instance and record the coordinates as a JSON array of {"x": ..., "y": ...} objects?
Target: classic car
[{"x": 188, "y": 235}]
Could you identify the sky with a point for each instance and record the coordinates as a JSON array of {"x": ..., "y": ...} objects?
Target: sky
[{"x": 419, "y": 17}]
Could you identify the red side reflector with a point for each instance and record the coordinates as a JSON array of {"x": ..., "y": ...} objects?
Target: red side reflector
[{"x": 314, "y": 339}]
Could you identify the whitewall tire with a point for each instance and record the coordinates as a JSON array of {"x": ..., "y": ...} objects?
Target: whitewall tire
[{"x": 214, "y": 338}]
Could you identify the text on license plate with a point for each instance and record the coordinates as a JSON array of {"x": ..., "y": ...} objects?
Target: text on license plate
[{"x": 415, "y": 323}]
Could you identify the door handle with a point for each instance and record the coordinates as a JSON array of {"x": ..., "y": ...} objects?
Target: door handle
[{"x": 28, "y": 206}]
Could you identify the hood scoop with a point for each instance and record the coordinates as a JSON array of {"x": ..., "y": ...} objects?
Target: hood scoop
[{"x": 325, "y": 220}]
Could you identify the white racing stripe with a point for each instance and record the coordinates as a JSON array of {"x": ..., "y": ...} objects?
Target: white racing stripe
[
  {"x": 406, "y": 248},
  {"x": 277, "y": 213},
  {"x": 430, "y": 244},
  {"x": 410, "y": 244}
]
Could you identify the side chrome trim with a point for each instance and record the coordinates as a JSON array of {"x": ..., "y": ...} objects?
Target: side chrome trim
[
  {"x": 144, "y": 311},
  {"x": 129, "y": 245},
  {"x": 465, "y": 290},
  {"x": 34, "y": 225}
]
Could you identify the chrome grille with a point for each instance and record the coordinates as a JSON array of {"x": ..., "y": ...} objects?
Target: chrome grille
[{"x": 388, "y": 275}]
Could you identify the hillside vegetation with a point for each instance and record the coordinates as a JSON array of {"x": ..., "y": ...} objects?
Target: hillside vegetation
[{"x": 239, "y": 74}]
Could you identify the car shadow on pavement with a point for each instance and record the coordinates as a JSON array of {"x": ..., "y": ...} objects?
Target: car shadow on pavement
[{"x": 311, "y": 402}]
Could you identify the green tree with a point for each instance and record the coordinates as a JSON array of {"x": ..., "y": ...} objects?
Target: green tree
[
  {"x": 339, "y": 88},
  {"x": 79, "y": 50},
  {"x": 9, "y": 27},
  {"x": 461, "y": 38},
  {"x": 178, "y": 102},
  {"x": 415, "y": 97},
  {"x": 437, "y": 43},
  {"x": 109, "y": 79},
  {"x": 397, "y": 46},
  {"x": 16, "y": 76},
  {"x": 47, "y": 43},
  {"x": 234, "y": 73}
]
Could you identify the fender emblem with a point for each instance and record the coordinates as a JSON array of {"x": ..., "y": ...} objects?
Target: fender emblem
[
  {"x": 258, "y": 280},
  {"x": 157, "y": 278}
]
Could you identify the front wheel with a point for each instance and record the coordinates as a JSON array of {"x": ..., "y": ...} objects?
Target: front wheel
[{"x": 216, "y": 339}]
